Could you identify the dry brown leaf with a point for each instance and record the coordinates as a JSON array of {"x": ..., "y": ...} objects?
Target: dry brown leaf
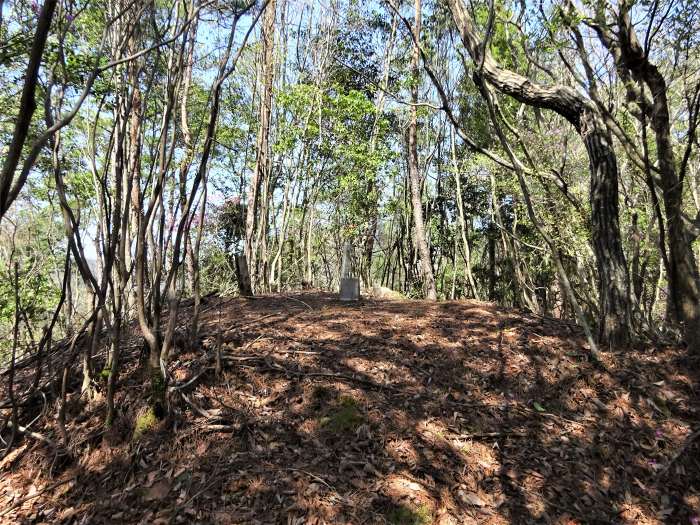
[
  {"x": 158, "y": 491},
  {"x": 10, "y": 458},
  {"x": 151, "y": 477},
  {"x": 471, "y": 498}
]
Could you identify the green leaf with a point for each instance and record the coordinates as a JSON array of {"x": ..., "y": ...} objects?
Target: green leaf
[{"x": 538, "y": 407}]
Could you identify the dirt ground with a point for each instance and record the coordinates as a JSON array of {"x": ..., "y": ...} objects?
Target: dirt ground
[{"x": 401, "y": 412}]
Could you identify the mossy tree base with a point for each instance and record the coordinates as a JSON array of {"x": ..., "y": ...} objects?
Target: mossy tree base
[
  {"x": 150, "y": 418},
  {"x": 146, "y": 422}
]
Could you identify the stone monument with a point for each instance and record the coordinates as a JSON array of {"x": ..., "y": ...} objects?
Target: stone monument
[{"x": 349, "y": 281}]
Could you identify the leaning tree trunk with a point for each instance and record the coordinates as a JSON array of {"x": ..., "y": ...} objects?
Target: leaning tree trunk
[
  {"x": 27, "y": 106},
  {"x": 613, "y": 275},
  {"x": 683, "y": 275}
]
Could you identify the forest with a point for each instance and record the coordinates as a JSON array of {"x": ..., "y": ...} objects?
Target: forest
[{"x": 513, "y": 187}]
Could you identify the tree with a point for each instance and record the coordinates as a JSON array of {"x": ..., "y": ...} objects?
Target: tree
[
  {"x": 615, "y": 317},
  {"x": 258, "y": 193},
  {"x": 646, "y": 88},
  {"x": 414, "y": 177}
]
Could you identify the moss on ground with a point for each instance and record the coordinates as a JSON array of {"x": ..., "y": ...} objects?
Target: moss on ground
[
  {"x": 403, "y": 515},
  {"x": 345, "y": 417},
  {"x": 145, "y": 423}
]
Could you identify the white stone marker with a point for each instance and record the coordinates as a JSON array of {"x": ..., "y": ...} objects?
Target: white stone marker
[{"x": 349, "y": 283}]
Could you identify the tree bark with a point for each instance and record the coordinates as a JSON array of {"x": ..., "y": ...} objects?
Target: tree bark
[
  {"x": 632, "y": 61},
  {"x": 613, "y": 277},
  {"x": 27, "y": 104},
  {"x": 261, "y": 173},
  {"x": 419, "y": 238}
]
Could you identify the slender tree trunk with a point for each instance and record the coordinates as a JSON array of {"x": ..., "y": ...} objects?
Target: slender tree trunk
[
  {"x": 491, "y": 246},
  {"x": 276, "y": 266},
  {"x": 419, "y": 239},
  {"x": 308, "y": 266},
  {"x": 462, "y": 221},
  {"x": 27, "y": 105},
  {"x": 261, "y": 173},
  {"x": 372, "y": 222}
]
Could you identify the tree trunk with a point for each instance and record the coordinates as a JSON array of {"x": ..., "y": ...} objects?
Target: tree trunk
[
  {"x": 638, "y": 73},
  {"x": 243, "y": 276},
  {"x": 462, "y": 221},
  {"x": 27, "y": 105},
  {"x": 261, "y": 173},
  {"x": 613, "y": 277},
  {"x": 419, "y": 238}
]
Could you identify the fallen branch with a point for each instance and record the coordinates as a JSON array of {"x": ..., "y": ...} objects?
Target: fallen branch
[
  {"x": 483, "y": 435},
  {"x": 314, "y": 476},
  {"x": 297, "y": 300},
  {"x": 294, "y": 352},
  {"x": 35, "y": 435},
  {"x": 251, "y": 343},
  {"x": 222, "y": 428},
  {"x": 197, "y": 408},
  {"x": 182, "y": 386},
  {"x": 253, "y": 321},
  {"x": 330, "y": 375}
]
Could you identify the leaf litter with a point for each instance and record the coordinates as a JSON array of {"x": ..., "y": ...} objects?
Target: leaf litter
[{"x": 379, "y": 412}]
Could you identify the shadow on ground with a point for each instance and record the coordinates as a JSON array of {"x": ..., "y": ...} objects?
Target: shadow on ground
[{"x": 401, "y": 412}]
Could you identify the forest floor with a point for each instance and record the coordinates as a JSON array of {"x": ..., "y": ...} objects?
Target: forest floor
[{"x": 401, "y": 412}]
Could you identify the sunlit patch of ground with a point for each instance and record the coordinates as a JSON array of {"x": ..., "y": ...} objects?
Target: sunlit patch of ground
[{"x": 400, "y": 412}]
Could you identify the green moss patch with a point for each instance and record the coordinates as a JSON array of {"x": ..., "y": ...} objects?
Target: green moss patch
[
  {"x": 403, "y": 515},
  {"x": 146, "y": 422},
  {"x": 346, "y": 416}
]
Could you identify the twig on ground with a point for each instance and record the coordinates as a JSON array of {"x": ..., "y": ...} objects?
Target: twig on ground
[
  {"x": 242, "y": 358},
  {"x": 317, "y": 478},
  {"x": 19, "y": 502},
  {"x": 35, "y": 435},
  {"x": 251, "y": 343},
  {"x": 296, "y": 352},
  {"x": 297, "y": 300},
  {"x": 267, "y": 316},
  {"x": 481, "y": 435},
  {"x": 222, "y": 428},
  {"x": 197, "y": 408},
  {"x": 232, "y": 409},
  {"x": 549, "y": 415},
  {"x": 175, "y": 388},
  {"x": 367, "y": 382},
  {"x": 196, "y": 495}
]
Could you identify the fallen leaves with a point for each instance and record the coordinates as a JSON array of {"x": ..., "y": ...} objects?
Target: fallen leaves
[
  {"x": 471, "y": 498},
  {"x": 492, "y": 417},
  {"x": 158, "y": 491}
]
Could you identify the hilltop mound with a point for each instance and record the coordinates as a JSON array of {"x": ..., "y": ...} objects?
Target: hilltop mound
[{"x": 403, "y": 412}]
